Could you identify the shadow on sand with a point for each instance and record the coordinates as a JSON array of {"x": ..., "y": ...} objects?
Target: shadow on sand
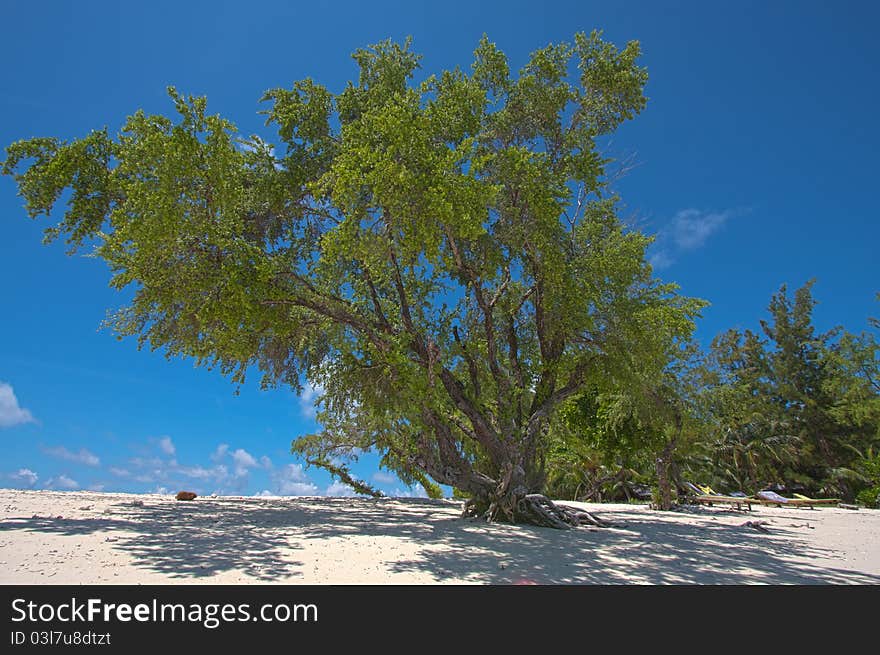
[{"x": 261, "y": 538}]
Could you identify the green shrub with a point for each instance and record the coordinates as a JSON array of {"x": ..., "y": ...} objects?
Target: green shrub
[{"x": 869, "y": 497}]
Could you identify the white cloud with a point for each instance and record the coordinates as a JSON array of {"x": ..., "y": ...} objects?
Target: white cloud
[
  {"x": 62, "y": 482},
  {"x": 338, "y": 488},
  {"x": 96, "y": 487},
  {"x": 228, "y": 473},
  {"x": 146, "y": 462},
  {"x": 167, "y": 446},
  {"x": 690, "y": 228},
  {"x": 25, "y": 476},
  {"x": 294, "y": 472},
  {"x": 661, "y": 259},
  {"x": 201, "y": 473},
  {"x": 416, "y": 491},
  {"x": 310, "y": 399},
  {"x": 384, "y": 478},
  {"x": 220, "y": 452},
  {"x": 297, "y": 489},
  {"x": 81, "y": 457},
  {"x": 10, "y": 411},
  {"x": 243, "y": 461},
  {"x": 291, "y": 480}
]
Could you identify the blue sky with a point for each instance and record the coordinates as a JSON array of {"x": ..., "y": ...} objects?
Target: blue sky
[{"x": 756, "y": 165}]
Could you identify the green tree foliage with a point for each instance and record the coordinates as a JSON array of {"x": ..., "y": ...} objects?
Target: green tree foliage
[
  {"x": 442, "y": 259},
  {"x": 868, "y": 468},
  {"x": 624, "y": 431},
  {"x": 600, "y": 448},
  {"x": 788, "y": 405},
  {"x": 784, "y": 405}
]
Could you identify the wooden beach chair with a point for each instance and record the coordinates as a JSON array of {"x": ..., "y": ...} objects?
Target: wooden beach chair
[
  {"x": 705, "y": 495},
  {"x": 738, "y": 501},
  {"x": 818, "y": 501},
  {"x": 773, "y": 498},
  {"x": 692, "y": 489}
]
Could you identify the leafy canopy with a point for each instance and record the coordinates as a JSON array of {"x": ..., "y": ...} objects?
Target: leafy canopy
[{"x": 442, "y": 259}]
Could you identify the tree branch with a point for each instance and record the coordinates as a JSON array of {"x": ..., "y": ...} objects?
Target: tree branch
[{"x": 472, "y": 365}]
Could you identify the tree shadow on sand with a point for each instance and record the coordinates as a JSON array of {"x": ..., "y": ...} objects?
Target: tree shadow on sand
[
  {"x": 184, "y": 540},
  {"x": 260, "y": 538}
]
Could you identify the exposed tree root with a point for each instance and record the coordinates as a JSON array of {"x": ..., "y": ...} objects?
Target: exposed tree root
[{"x": 534, "y": 509}]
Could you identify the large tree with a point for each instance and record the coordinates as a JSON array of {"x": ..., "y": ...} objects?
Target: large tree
[{"x": 443, "y": 260}]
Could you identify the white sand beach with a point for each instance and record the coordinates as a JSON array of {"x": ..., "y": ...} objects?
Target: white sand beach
[{"x": 50, "y": 537}]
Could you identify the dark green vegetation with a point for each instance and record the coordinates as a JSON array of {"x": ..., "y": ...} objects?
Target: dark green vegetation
[
  {"x": 445, "y": 261},
  {"x": 784, "y": 406}
]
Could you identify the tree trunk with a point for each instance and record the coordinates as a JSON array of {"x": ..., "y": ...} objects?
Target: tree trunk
[
  {"x": 508, "y": 494},
  {"x": 662, "y": 466}
]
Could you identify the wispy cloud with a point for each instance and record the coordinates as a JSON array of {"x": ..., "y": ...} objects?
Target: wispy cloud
[
  {"x": 297, "y": 489},
  {"x": 163, "y": 469},
  {"x": 220, "y": 452},
  {"x": 338, "y": 488},
  {"x": 215, "y": 473},
  {"x": 62, "y": 482},
  {"x": 11, "y": 413},
  {"x": 661, "y": 259},
  {"x": 291, "y": 480},
  {"x": 167, "y": 446},
  {"x": 82, "y": 457},
  {"x": 688, "y": 230},
  {"x": 692, "y": 227},
  {"x": 243, "y": 461},
  {"x": 309, "y": 400},
  {"x": 416, "y": 491},
  {"x": 224, "y": 470},
  {"x": 383, "y": 477},
  {"x": 25, "y": 477},
  {"x": 229, "y": 471}
]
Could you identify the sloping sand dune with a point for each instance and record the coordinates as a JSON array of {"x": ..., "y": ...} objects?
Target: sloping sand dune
[{"x": 86, "y": 538}]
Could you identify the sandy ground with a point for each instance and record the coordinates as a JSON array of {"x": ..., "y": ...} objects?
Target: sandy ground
[{"x": 49, "y": 537}]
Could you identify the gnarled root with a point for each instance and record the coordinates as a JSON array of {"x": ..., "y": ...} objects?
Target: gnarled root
[
  {"x": 534, "y": 509},
  {"x": 540, "y": 510},
  {"x": 554, "y": 515}
]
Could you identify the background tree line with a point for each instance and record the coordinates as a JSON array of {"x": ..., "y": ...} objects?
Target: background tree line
[{"x": 782, "y": 407}]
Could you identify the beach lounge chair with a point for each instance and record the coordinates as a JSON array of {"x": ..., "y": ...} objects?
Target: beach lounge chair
[
  {"x": 693, "y": 489},
  {"x": 818, "y": 501},
  {"x": 709, "y": 491},
  {"x": 705, "y": 495},
  {"x": 773, "y": 498}
]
